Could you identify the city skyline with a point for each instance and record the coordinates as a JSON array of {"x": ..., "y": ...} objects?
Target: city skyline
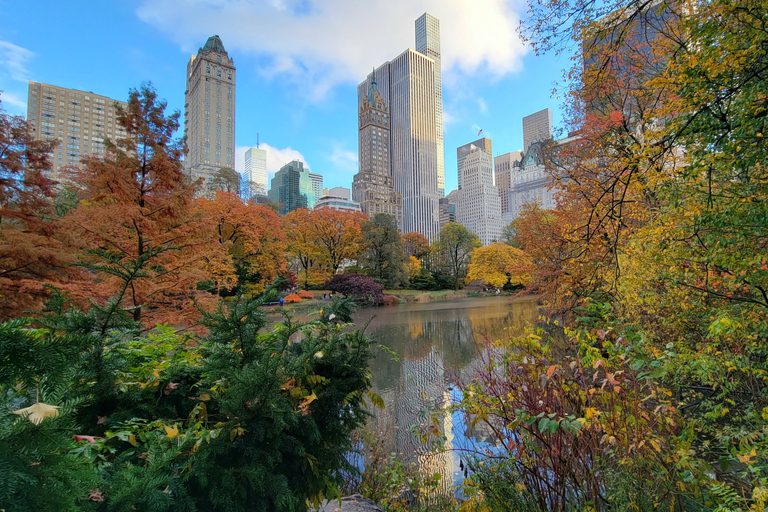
[{"x": 488, "y": 82}]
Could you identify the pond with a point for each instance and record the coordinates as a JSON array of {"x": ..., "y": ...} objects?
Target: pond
[{"x": 437, "y": 343}]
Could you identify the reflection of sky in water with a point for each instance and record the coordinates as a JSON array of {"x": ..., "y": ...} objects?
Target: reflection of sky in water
[{"x": 437, "y": 343}]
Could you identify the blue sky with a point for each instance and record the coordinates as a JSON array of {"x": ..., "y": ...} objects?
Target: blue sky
[{"x": 298, "y": 64}]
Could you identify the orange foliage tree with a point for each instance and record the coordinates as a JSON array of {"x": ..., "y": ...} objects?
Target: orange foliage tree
[
  {"x": 253, "y": 239},
  {"x": 301, "y": 244},
  {"x": 31, "y": 253},
  {"x": 338, "y": 235},
  {"x": 138, "y": 231}
]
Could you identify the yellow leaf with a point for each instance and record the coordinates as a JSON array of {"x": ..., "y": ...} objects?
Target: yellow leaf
[
  {"x": 38, "y": 412},
  {"x": 171, "y": 432}
]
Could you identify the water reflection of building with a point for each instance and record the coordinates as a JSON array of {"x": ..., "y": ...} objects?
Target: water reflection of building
[
  {"x": 437, "y": 344},
  {"x": 425, "y": 392}
]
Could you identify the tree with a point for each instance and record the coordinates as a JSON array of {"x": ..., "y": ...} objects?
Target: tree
[
  {"x": 415, "y": 244},
  {"x": 138, "y": 231},
  {"x": 338, "y": 235},
  {"x": 32, "y": 251},
  {"x": 256, "y": 249},
  {"x": 302, "y": 244},
  {"x": 226, "y": 180},
  {"x": 454, "y": 248},
  {"x": 495, "y": 265},
  {"x": 382, "y": 258},
  {"x": 363, "y": 289}
]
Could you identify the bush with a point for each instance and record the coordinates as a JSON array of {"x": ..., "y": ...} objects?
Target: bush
[
  {"x": 391, "y": 300},
  {"x": 237, "y": 420},
  {"x": 304, "y": 294},
  {"x": 292, "y": 298},
  {"x": 363, "y": 289}
]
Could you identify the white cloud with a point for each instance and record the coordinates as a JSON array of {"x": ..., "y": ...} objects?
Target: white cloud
[
  {"x": 344, "y": 160},
  {"x": 276, "y": 158},
  {"x": 13, "y": 61},
  {"x": 14, "y": 100},
  {"x": 321, "y": 43}
]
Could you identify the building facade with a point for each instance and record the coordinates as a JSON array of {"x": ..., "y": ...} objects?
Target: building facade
[
  {"x": 504, "y": 166},
  {"x": 80, "y": 120},
  {"x": 292, "y": 188},
  {"x": 373, "y": 186},
  {"x": 317, "y": 186},
  {"x": 448, "y": 208},
  {"x": 407, "y": 86},
  {"x": 462, "y": 152},
  {"x": 428, "y": 43},
  {"x": 479, "y": 207},
  {"x": 255, "y": 174},
  {"x": 209, "y": 112},
  {"x": 338, "y": 199},
  {"x": 530, "y": 183},
  {"x": 537, "y": 127}
]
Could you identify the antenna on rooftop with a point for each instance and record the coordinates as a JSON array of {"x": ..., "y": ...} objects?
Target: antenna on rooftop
[{"x": 257, "y": 141}]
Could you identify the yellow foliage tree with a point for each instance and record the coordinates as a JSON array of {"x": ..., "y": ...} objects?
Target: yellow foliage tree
[
  {"x": 495, "y": 265},
  {"x": 413, "y": 266}
]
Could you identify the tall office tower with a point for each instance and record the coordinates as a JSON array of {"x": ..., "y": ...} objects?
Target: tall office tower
[
  {"x": 428, "y": 43},
  {"x": 255, "y": 174},
  {"x": 292, "y": 188},
  {"x": 504, "y": 165},
  {"x": 79, "y": 120},
  {"x": 479, "y": 207},
  {"x": 373, "y": 186},
  {"x": 209, "y": 112},
  {"x": 407, "y": 85},
  {"x": 448, "y": 208},
  {"x": 537, "y": 127},
  {"x": 463, "y": 151},
  {"x": 317, "y": 187}
]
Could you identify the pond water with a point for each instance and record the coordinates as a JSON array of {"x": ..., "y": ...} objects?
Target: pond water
[{"x": 437, "y": 343}]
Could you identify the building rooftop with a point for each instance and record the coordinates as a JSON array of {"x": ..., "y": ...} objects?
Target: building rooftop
[{"x": 214, "y": 44}]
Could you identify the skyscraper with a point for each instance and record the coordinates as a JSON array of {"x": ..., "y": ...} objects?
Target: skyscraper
[
  {"x": 407, "y": 86},
  {"x": 209, "y": 111},
  {"x": 428, "y": 43},
  {"x": 373, "y": 186},
  {"x": 292, "y": 188},
  {"x": 537, "y": 127},
  {"x": 479, "y": 207},
  {"x": 79, "y": 120},
  {"x": 255, "y": 173},
  {"x": 504, "y": 166},
  {"x": 317, "y": 187},
  {"x": 463, "y": 151}
]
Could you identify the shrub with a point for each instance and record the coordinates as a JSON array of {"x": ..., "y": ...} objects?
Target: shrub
[
  {"x": 391, "y": 300},
  {"x": 304, "y": 294},
  {"x": 363, "y": 289},
  {"x": 292, "y": 298}
]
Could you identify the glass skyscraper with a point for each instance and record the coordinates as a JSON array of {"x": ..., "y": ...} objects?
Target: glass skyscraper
[{"x": 255, "y": 174}]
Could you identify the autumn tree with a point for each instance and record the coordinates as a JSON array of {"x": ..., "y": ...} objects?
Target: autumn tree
[
  {"x": 137, "y": 228},
  {"x": 338, "y": 236},
  {"x": 415, "y": 244},
  {"x": 226, "y": 180},
  {"x": 496, "y": 265},
  {"x": 454, "y": 248},
  {"x": 382, "y": 257},
  {"x": 250, "y": 233},
  {"x": 302, "y": 245},
  {"x": 31, "y": 250}
]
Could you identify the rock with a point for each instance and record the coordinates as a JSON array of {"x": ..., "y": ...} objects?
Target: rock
[{"x": 354, "y": 503}]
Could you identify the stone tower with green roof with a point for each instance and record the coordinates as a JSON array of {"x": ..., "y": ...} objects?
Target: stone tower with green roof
[{"x": 209, "y": 114}]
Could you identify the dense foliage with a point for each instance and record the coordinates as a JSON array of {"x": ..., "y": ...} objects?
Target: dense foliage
[
  {"x": 656, "y": 397},
  {"x": 238, "y": 419}
]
